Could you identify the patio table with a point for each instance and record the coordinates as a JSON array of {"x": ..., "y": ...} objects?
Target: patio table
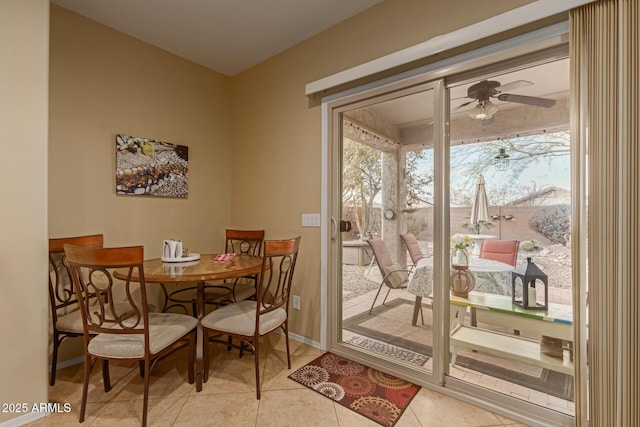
[
  {"x": 492, "y": 277},
  {"x": 555, "y": 322}
]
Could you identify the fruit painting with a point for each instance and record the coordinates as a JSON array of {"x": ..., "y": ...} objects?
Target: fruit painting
[{"x": 148, "y": 167}]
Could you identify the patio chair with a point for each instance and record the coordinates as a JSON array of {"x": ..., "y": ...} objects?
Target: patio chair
[
  {"x": 500, "y": 250},
  {"x": 505, "y": 251},
  {"x": 65, "y": 314},
  {"x": 413, "y": 247},
  {"x": 394, "y": 276},
  {"x": 126, "y": 330}
]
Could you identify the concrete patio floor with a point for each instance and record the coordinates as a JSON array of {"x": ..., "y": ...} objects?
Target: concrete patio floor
[{"x": 362, "y": 303}]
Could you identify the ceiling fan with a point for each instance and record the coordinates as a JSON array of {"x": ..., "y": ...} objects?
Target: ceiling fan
[{"x": 486, "y": 89}]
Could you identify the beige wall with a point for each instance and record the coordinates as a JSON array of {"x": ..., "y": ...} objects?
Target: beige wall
[
  {"x": 24, "y": 34},
  {"x": 102, "y": 83},
  {"x": 277, "y": 134},
  {"x": 255, "y": 133}
]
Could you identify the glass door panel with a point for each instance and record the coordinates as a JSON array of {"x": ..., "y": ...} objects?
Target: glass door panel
[
  {"x": 510, "y": 195},
  {"x": 386, "y": 187}
]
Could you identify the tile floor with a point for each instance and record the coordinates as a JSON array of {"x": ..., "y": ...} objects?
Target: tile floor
[{"x": 228, "y": 398}]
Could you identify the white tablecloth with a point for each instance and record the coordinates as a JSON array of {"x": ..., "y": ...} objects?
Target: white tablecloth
[{"x": 492, "y": 277}]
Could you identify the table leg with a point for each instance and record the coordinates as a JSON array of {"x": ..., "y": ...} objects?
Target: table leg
[
  {"x": 416, "y": 309},
  {"x": 200, "y": 338},
  {"x": 456, "y": 321}
]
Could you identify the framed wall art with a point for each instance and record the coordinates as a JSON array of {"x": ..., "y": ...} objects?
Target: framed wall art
[{"x": 148, "y": 167}]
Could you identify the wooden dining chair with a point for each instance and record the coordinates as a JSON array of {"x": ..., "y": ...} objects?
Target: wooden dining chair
[
  {"x": 248, "y": 242},
  {"x": 250, "y": 320},
  {"x": 66, "y": 320},
  {"x": 126, "y": 330},
  {"x": 394, "y": 276}
]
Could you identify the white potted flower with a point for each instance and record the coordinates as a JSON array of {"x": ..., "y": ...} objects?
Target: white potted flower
[{"x": 459, "y": 248}]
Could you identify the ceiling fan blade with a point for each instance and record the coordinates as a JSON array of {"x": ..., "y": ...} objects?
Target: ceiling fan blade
[
  {"x": 463, "y": 105},
  {"x": 513, "y": 85},
  {"x": 529, "y": 100}
]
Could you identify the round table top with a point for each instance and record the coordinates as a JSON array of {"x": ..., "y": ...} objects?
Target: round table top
[{"x": 156, "y": 271}]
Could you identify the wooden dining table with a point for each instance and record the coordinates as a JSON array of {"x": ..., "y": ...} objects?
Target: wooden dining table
[{"x": 198, "y": 272}]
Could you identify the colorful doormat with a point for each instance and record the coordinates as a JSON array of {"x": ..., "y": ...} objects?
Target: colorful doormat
[{"x": 371, "y": 393}]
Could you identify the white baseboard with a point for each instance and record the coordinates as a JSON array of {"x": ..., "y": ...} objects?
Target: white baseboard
[
  {"x": 69, "y": 362},
  {"x": 305, "y": 340},
  {"x": 24, "y": 419}
]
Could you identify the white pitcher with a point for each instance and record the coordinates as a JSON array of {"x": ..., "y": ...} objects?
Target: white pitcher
[{"x": 169, "y": 249}]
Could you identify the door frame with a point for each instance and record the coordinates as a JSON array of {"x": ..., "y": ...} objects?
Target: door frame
[
  {"x": 334, "y": 111},
  {"x": 512, "y": 49}
]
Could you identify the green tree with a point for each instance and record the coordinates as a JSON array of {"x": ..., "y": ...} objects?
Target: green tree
[
  {"x": 361, "y": 182},
  {"x": 524, "y": 152},
  {"x": 418, "y": 184}
]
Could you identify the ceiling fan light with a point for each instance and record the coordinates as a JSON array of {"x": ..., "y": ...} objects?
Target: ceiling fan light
[
  {"x": 491, "y": 108},
  {"x": 477, "y": 112},
  {"x": 483, "y": 111}
]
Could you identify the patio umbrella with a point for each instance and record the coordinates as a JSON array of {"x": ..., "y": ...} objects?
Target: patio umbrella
[{"x": 480, "y": 207}]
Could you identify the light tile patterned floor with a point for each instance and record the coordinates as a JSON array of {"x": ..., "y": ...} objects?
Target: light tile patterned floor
[{"x": 228, "y": 398}]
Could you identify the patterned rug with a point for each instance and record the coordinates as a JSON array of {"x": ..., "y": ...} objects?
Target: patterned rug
[
  {"x": 380, "y": 397},
  {"x": 377, "y": 333}
]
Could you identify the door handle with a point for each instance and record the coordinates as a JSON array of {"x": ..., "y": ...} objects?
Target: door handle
[{"x": 334, "y": 229}]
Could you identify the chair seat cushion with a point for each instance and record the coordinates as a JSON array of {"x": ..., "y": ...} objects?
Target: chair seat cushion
[
  {"x": 70, "y": 322},
  {"x": 397, "y": 277},
  {"x": 164, "y": 330},
  {"x": 240, "y": 318}
]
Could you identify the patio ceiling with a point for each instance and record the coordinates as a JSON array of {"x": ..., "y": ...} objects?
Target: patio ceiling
[{"x": 409, "y": 120}]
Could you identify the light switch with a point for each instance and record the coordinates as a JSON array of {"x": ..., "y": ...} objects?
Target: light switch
[{"x": 311, "y": 220}]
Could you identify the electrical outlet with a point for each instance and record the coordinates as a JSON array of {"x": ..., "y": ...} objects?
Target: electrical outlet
[
  {"x": 311, "y": 220},
  {"x": 296, "y": 302}
]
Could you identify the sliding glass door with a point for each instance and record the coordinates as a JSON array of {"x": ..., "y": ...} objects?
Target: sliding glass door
[
  {"x": 470, "y": 157},
  {"x": 510, "y": 197},
  {"x": 384, "y": 204}
]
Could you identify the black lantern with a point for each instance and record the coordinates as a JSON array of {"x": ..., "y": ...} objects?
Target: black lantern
[
  {"x": 501, "y": 160},
  {"x": 524, "y": 277}
]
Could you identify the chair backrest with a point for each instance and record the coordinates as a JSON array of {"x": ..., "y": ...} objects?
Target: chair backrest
[
  {"x": 381, "y": 252},
  {"x": 413, "y": 247},
  {"x": 393, "y": 275},
  {"x": 96, "y": 288},
  {"x": 61, "y": 292},
  {"x": 500, "y": 250},
  {"x": 247, "y": 242},
  {"x": 278, "y": 264}
]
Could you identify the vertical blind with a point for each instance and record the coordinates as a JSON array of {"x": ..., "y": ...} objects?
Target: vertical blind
[{"x": 605, "y": 47}]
